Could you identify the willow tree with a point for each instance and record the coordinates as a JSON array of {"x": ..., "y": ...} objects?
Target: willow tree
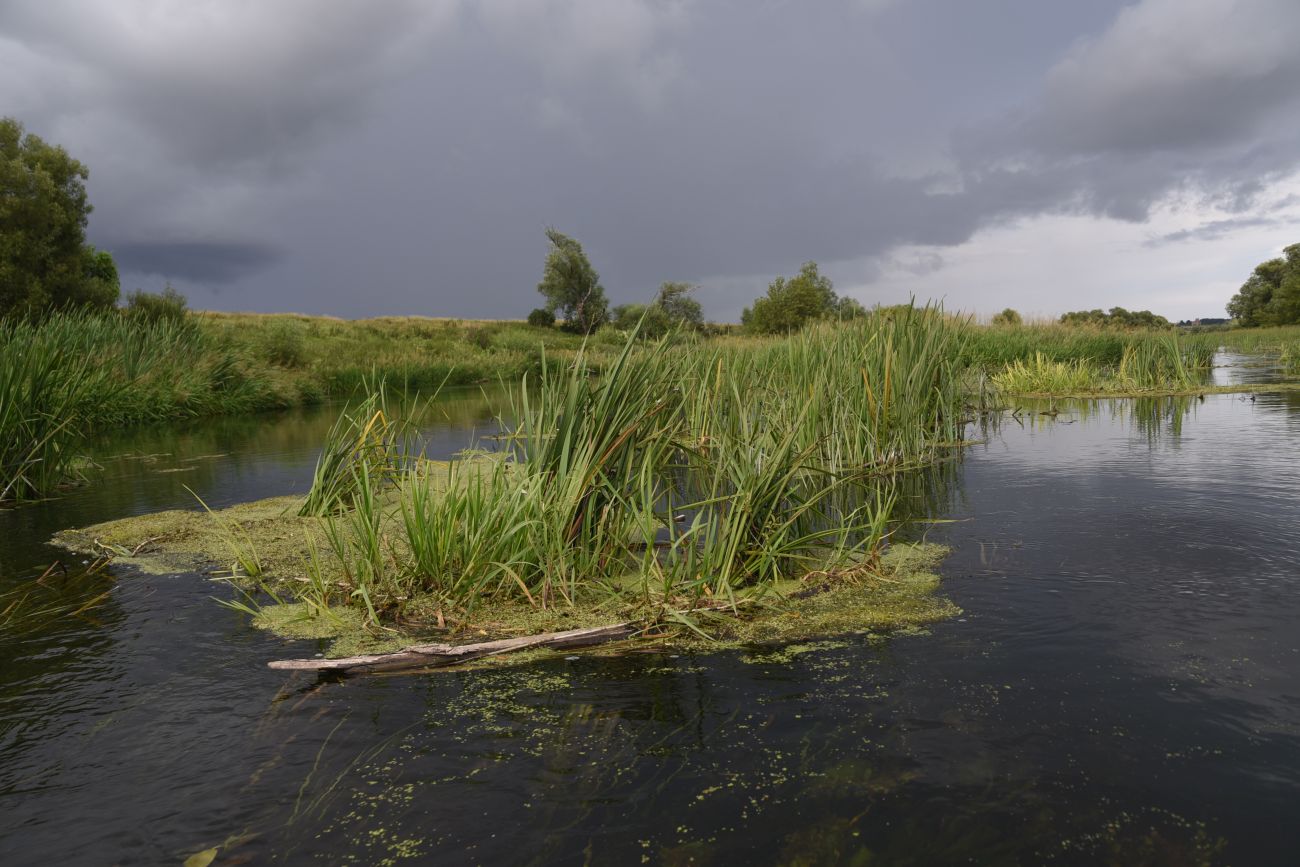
[{"x": 571, "y": 286}]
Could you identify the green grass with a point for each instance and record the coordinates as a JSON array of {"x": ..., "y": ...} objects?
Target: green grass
[
  {"x": 309, "y": 358},
  {"x": 70, "y": 375},
  {"x": 1259, "y": 340},
  {"x": 1131, "y": 362}
]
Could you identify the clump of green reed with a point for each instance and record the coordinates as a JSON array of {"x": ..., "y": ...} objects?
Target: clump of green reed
[
  {"x": 1199, "y": 349},
  {"x": 1289, "y": 358},
  {"x": 367, "y": 446},
  {"x": 1150, "y": 362},
  {"x": 42, "y": 395},
  {"x": 1154, "y": 363},
  {"x": 1042, "y": 375}
]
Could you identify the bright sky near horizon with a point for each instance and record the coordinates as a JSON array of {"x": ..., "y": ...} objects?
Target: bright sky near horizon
[{"x": 404, "y": 156}]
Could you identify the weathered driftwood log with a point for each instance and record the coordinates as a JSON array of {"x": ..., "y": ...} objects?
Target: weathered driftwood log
[{"x": 449, "y": 654}]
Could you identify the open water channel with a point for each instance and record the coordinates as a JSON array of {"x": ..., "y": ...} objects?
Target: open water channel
[{"x": 1123, "y": 685}]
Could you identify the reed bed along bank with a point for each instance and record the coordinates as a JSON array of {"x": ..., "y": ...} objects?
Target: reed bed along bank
[
  {"x": 71, "y": 375},
  {"x": 1151, "y": 362},
  {"x": 68, "y": 376}
]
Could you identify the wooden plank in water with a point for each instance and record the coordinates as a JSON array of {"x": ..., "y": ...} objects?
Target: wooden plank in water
[{"x": 449, "y": 654}]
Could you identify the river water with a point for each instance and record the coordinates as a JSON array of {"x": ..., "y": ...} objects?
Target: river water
[{"x": 1122, "y": 687}]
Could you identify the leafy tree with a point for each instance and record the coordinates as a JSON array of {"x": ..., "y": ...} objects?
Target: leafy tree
[
  {"x": 571, "y": 286},
  {"x": 1271, "y": 295},
  {"x": 677, "y": 304},
  {"x": 791, "y": 304},
  {"x": 45, "y": 262},
  {"x": 541, "y": 318},
  {"x": 1008, "y": 317}
]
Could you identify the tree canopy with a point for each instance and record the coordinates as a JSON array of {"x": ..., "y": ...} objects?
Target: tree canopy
[
  {"x": 1116, "y": 317},
  {"x": 45, "y": 262},
  {"x": 677, "y": 304},
  {"x": 1271, "y": 295},
  {"x": 571, "y": 286},
  {"x": 792, "y": 303}
]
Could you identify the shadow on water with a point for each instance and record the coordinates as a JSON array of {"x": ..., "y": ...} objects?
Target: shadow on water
[{"x": 1123, "y": 686}]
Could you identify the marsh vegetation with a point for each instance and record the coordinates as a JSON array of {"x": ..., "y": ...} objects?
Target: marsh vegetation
[{"x": 683, "y": 480}]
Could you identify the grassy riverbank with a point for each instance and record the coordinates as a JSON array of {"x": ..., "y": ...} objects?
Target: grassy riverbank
[
  {"x": 306, "y": 358},
  {"x": 69, "y": 376}
]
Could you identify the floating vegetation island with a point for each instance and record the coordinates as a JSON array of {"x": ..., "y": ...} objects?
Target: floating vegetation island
[{"x": 699, "y": 491}]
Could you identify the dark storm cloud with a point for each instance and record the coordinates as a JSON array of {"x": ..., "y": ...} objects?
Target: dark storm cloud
[
  {"x": 195, "y": 261},
  {"x": 404, "y": 156},
  {"x": 1175, "y": 94},
  {"x": 1213, "y": 230},
  {"x": 236, "y": 84}
]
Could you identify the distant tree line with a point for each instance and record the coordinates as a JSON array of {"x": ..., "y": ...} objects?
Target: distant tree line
[
  {"x": 1116, "y": 317},
  {"x": 575, "y": 296},
  {"x": 1271, "y": 295}
]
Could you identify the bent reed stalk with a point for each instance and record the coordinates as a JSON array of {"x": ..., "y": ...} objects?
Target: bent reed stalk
[{"x": 686, "y": 475}]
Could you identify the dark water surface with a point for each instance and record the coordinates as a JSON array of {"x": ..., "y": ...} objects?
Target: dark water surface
[{"x": 1123, "y": 687}]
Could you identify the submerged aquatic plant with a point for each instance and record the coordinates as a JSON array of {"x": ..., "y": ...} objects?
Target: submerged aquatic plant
[{"x": 58, "y": 593}]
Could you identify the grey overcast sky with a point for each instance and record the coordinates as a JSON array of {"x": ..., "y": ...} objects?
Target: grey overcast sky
[{"x": 404, "y": 156}]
